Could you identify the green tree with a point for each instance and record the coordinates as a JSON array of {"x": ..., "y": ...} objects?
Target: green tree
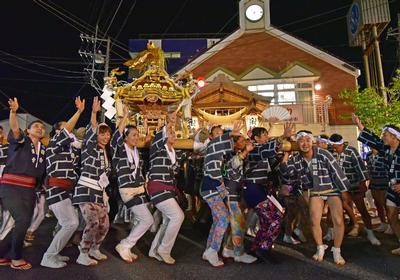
[{"x": 369, "y": 105}]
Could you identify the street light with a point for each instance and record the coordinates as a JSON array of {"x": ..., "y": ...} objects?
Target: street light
[{"x": 318, "y": 86}]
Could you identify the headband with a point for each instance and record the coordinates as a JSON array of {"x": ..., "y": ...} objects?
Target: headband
[
  {"x": 340, "y": 142},
  {"x": 392, "y": 131},
  {"x": 322, "y": 140},
  {"x": 303, "y": 134}
]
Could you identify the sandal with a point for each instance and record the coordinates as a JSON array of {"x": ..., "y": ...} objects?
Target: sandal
[
  {"x": 5, "y": 262},
  {"x": 23, "y": 266}
]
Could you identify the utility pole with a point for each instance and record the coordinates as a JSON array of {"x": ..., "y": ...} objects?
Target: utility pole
[{"x": 95, "y": 52}]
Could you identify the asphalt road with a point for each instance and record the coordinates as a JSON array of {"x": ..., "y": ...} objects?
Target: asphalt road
[{"x": 364, "y": 261}]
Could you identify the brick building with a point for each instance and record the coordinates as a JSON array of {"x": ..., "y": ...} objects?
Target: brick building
[
  {"x": 296, "y": 75},
  {"x": 273, "y": 63}
]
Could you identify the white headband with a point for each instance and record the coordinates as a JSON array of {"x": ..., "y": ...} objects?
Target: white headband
[
  {"x": 321, "y": 140},
  {"x": 303, "y": 134},
  {"x": 340, "y": 142},
  {"x": 392, "y": 131}
]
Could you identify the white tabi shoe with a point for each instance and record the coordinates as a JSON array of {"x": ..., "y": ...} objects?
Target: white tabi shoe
[
  {"x": 124, "y": 253},
  {"x": 372, "y": 238},
  {"x": 62, "y": 258},
  {"x": 228, "y": 253},
  {"x": 396, "y": 252},
  {"x": 166, "y": 258},
  {"x": 337, "y": 257},
  {"x": 290, "y": 240},
  {"x": 97, "y": 255},
  {"x": 52, "y": 262},
  {"x": 245, "y": 258},
  {"x": 155, "y": 255},
  {"x": 211, "y": 256},
  {"x": 85, "y": 260},
  {"x": 319, "y": 255},
  {"x": 299, "y": 233}
]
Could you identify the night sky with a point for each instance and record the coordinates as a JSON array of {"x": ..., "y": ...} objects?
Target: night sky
[{"x": 47, "y": 90}]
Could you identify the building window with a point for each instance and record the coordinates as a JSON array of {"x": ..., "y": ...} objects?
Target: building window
[{"x": 284, "y": 93}]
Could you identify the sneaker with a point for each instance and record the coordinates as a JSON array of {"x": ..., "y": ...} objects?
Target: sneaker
[
  {"x": 245, "y": 258},
  {"x": 389, "y": 231},
  {"x": 354, "y": 231},
  {"x": 337, "y": 257},
  {"x": 319, "y": 255},
  {"x": 299, "y": 233},
  {"x": 97, "y": 255},
  {"x": 290, "y": 240},
  {"x": 396, "y": 252},
  {"x": 166, "y": 257},
  {"x": 124, "y": 253},
  {"x": 211, "y": 256},
  {"x": 52, "y": 262},
  {"x": 85, "y": 260},
  {"x": 382, "y": 227},
  {"x": 228, "y": 253},
  {"x": 371, "y": 237}
]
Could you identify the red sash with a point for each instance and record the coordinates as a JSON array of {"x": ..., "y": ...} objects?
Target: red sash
[{"x": 19, "y": 180}]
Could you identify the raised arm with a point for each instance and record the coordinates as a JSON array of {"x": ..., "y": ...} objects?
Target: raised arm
[
  {"x": 368, "y": 137},
  {"x": 14, "y": 125},
  {"x": 96, "y": 107},
  {"x": 356, "y": 120},
  {"x": 122, "y": 122},
  {"x": 80, "y": 106}
]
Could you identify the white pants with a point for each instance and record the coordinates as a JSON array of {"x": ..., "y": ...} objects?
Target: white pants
[
  {"x": 143, "y": 221},
  {"x": 68, "y": 219},
  {"x": 38, "y": 214},
  {"x": 172, "y": 220}
]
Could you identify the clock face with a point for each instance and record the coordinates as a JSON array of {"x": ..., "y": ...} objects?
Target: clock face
[{"x": 254, "y": 12}]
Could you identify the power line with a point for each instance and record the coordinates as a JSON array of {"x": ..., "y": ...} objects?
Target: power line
[
  {"x": 39, "y": 64},
  {"x": 39, "y": 81},
  {"x": 112, "y": 19},
  {"x": 40, "y": 73},
  {"x": 81, "y": 28},
  {"x": 124, "y": 23},
  {"x": 175, "y": 17}
]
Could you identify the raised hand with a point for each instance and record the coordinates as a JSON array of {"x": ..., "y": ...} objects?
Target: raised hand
[
  {"x": 237, "y": 128},
  {"x": 148, "y": 137},
  {"x": 356, "y": 120},
  {"x": 13, "y": 103},
  {"x": 96, "y": 107},
  {"x": 249, "y": 147},
  {"x": 80, "y": 104},
  {"x": 288, "y": 129},
  {"x": 126, "y": 111}
]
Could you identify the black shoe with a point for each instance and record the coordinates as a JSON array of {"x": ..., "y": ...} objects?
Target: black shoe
[{"x": 267, "y": 256}]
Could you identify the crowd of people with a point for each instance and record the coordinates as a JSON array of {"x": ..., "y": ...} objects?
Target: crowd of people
[{"x": 250, "y": 184}]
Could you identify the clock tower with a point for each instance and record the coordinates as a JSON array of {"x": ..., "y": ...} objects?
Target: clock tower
[{"x": 254, "y": 14}]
